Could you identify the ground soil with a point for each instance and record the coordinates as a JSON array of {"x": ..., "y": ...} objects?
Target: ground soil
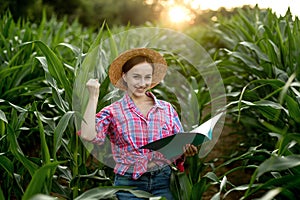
[{"x": 229, "y": 143}]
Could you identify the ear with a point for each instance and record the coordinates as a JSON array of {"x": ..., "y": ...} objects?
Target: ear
[{"x": 124, "y": 77}]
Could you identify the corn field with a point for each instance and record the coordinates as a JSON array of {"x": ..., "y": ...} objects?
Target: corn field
[{"x": 43, "y": 68}]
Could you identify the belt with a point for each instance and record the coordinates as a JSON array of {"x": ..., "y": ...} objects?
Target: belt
[
  {"x": 152, "y": 165},
  {"x": 154, "y": 171}
]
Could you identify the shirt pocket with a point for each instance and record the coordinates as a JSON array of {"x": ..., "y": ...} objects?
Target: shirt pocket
[{"x": 165, "y": 130}]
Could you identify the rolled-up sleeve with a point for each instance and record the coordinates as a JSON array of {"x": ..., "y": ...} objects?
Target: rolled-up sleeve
[{"x": 103, "y": 122}]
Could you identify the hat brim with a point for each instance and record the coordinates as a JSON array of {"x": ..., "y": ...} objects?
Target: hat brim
[{"x": 159, "y": 64}]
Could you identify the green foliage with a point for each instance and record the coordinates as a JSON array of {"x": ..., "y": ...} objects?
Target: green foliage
[
  {"x": 37, "y": 128},
  {"x": 43, "y": 70},
  {"x": 262, "y": 68},
  {"x": 41, "y": 152}
]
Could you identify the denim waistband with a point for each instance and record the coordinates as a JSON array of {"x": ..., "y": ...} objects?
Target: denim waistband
[{"x": 155, "y": 170}]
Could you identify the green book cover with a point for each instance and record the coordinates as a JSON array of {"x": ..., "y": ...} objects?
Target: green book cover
[{"x": 172, "y": 146}]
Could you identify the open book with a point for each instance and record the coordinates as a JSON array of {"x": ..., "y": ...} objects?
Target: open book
[{"x": 172, "y": 146}]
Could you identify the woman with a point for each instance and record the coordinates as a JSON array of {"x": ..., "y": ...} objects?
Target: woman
[{"x": 133, "y": 121}]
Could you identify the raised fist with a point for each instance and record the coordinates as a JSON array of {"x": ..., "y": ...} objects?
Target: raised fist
[{"x": 93, "y": 86}]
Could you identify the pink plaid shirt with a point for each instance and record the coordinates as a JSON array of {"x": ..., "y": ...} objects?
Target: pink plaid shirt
[{"x": 128, "y": 130}]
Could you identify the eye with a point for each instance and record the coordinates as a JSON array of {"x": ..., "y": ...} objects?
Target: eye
[{"x": 135, "y": 76}]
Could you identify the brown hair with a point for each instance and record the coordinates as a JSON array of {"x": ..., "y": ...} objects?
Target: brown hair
[{"x": 134, "y": 61}]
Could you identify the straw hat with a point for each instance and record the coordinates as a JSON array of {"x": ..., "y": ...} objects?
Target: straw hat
[{"x": 159, "y": 63}]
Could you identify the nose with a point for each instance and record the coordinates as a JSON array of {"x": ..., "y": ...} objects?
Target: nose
[{"x": 143, "y": 82}]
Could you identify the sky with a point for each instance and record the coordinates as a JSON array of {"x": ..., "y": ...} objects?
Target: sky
[
  {"x": 179, "y": 14},
  {"x": 278, "y": 6}
]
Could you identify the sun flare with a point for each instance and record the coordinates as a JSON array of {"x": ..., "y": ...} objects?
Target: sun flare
[
  {"x": 179, "y": 14},
  {"x": 185, "y": 12}
]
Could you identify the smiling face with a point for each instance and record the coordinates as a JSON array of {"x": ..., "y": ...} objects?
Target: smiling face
[{"x": 138, "y": 79}]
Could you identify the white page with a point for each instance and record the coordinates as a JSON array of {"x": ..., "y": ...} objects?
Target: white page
[{"x": 207, "y": 127}]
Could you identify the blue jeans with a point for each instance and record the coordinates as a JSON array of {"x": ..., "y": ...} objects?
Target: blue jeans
[{"x": 155, "y": 182}]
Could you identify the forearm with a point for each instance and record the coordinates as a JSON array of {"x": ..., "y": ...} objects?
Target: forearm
[{"x": 88, "y": 126}]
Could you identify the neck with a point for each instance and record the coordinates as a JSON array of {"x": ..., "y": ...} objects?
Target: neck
[
  {"x": 138, "y": 98},
  {"x": 143, "y": 103}
]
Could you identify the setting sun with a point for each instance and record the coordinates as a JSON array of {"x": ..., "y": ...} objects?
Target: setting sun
[
  {"x": 179, "y": 14},
  {"x": 182, "y": 13}
]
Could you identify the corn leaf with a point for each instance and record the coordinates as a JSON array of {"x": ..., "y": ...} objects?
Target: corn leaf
[
  {"x": 7, "y": 165},
  {"x": 278, "y": 163},
  {"x": 60, "y": 129},
  {"x": 3, "y": 117},
  {"x": 39, "y": 179},
  {"x": 1, "y": 195},
  {"x": 259, "y": 53},
  {"x": 109, "y": 192},
  {"x": 18, "y": 153},
  {"x": 293, "y": 108},
  {"x": 55, "y": 68},
  {"x": 44, "y": 146}
]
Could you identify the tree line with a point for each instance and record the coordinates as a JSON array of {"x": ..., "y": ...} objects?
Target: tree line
[{"x": 88, "y": 12}]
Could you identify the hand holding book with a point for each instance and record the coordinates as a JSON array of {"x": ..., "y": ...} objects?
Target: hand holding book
[{"x": 189, "y": 150}]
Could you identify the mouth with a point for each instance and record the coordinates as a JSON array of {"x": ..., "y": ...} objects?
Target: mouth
[{"x": 140, "y": 89}]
